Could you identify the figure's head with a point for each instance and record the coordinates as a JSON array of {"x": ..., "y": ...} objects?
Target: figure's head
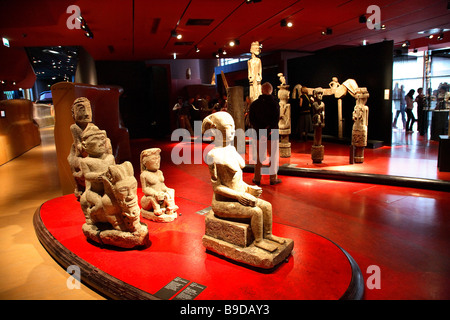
[
  {"x": 318, "y": 93},
  {"x": 222, "y": 126},
  {"x": 93, "y": 141},
  {"x": 255, "y": 48},
  {"x": 124, "y": 186},
  {"x": 362, "y": 95},
  {"x": 82, "y": 111},
  {"x": 150, "y": 159}
]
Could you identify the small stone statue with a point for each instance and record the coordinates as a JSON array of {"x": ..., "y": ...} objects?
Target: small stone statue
[
  {"x": 239, "y": 225},
  {"x": 318, "y": 122},
  {"x": 82, "y": 115},
  {"x": 361, "y": 120},
  {"x": 109, "y": 202},
  {"x": 158, "y": 202},
  {"x": 254, "y": 71}
]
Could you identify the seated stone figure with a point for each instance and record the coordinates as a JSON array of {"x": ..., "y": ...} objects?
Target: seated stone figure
[
  {"x": 234, "y": 202},
  {"x": 110, "y": 202},
  {"x": 158, "y": 202}
]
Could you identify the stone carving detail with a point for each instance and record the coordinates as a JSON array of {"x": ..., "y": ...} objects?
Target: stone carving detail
[
  {"x": 158, "y": 202},
  {"x": 239, "y": 225}
]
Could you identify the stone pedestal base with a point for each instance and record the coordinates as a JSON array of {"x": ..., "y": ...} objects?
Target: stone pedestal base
[
  {"x": 150, "y": 215},
  {"x": 359, "y": 154},
  {"x": 234, "y": 240},
  {"x": 117, "y": 238},
  {"x": 285, "y": 147},
  {"x": 317, "y": 153}
]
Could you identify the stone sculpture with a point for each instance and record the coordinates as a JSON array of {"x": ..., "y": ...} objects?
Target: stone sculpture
[
  {"x": 239, "y": 224},
  {"x": 318, "y": 121},
  {"x": 109, "y": 202},
  {"x": 254, "y": 71},
  {"x": 361, "y": 120},
  {"x": 284, "y": 124},
  {"x": 158, "y": 201},
  {"x": 82, "y": 115}
]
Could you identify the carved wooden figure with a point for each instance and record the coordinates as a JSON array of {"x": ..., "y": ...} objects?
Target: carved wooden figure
[
  {"x": 361, "y": 121},
  {"x": 254, "y": 71},
  {"x": 318, "y": 121}
]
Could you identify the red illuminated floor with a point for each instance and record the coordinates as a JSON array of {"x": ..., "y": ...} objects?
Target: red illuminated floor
[
  {"x": 404, "y": 231},
  {"x": 176, "y": 251}
]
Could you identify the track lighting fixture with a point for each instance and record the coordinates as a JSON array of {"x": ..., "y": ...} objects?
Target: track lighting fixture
[
  {"x": 284, "y": 23},
  {"x": 441, "y": 36},
  {"x": 233, "y": 43},
  {"x": 362, "y": 19},
  {"x": 406, "y": 44},
  {"x": 327, "y": 32},
  {"x": 252, "y": 1},
  {"x": 84, "y": 26},
  {"x": 175, "y": 34},
  {"x": 197, "y": 49}
]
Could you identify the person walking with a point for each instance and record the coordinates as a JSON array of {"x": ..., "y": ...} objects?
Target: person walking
[
  {"x": 264, "y": 115},
  {"x": 409, "y": 110}
]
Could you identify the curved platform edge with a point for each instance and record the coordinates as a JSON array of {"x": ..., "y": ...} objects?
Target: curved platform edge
[
  {"x": 91, "y": 276},
  {"x": 355, "y": 290},
  {"x": 115, "y": 289}
]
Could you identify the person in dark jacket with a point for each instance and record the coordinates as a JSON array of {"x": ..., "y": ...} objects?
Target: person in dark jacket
[{"x": 264, "y": 115}]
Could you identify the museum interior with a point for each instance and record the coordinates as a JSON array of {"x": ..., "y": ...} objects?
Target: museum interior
[{"x": 225, "y": 150}]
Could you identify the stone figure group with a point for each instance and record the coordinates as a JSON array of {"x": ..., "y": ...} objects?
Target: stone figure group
[{"x": 107, "y": 191}]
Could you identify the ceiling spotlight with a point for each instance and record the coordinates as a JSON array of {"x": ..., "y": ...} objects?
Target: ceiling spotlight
[
  {"x": 197, "y": 49},
  {"x": 406, "y": 44},
  {"x": 327, "y": 32},
  {"x": 440, "y": 36},
  {"x": 284, "y": 23},
  {"x": 430, "y": 36},
  {"x": 234, "y": 42},
  {"x": 175, "y": 34}
]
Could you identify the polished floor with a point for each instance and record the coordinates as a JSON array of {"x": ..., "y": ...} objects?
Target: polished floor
[{"x": 403, "y": 231}]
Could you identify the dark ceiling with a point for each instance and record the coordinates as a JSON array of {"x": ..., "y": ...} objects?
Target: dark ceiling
[{"x": 141, "y": 29}]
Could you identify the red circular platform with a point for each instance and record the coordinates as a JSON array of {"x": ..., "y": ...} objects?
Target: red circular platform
[{"x": 317, "y": 269}]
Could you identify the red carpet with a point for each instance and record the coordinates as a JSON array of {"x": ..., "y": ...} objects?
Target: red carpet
[{"x": 317, "y": 269}]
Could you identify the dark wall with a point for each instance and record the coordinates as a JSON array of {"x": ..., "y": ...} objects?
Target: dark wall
[
  {"x": 144, "y": 104},
  {"x": 370, "y": 66}
]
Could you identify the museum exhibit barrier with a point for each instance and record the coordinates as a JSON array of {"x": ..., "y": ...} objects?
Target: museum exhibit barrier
[
  {"x": 18, "y": 132},
  {"x": 105, "y": 113}
]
